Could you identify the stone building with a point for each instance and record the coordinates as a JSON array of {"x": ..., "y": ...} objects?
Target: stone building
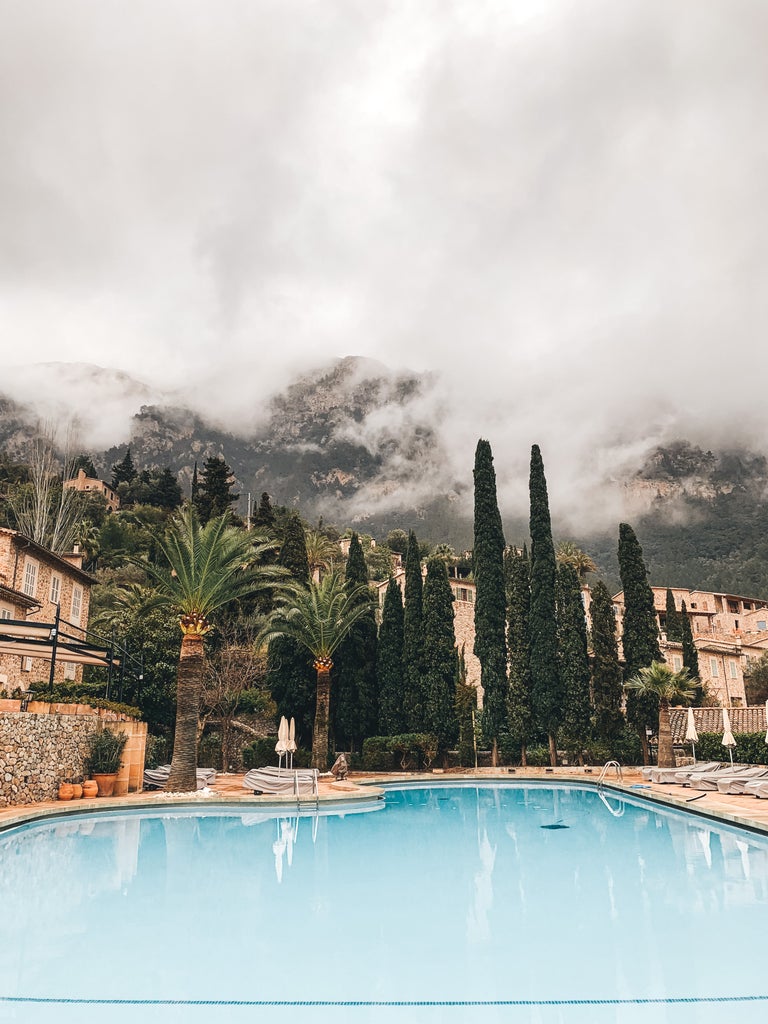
[
  {"x": 34, "y": 584},
  {"x": 92, "y": 485}
]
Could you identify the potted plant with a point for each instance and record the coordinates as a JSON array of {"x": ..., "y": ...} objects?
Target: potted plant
[{"x": 103, "y": 757}]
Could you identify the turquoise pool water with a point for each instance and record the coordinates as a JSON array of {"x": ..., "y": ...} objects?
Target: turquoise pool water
[{"x": 449, "y": 903}]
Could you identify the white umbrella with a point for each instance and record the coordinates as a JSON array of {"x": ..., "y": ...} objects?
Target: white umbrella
[
  {"x": 291, "y": 744},
  {"x": 691, "y": 736},
  {"x": 728, "y": 740},
  {"x": 281, "y": 746}
]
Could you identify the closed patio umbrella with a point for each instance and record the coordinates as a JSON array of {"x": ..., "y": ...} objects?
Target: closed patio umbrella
[
  {"x": 728, "y": 740},
  {"x": 281, "y": 747},
  {"x": 691, "y": 736},
  {"x": 291, "y": 743}
]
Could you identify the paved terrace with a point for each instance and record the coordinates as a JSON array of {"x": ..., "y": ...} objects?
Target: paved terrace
[{"x": 746, "y": 811}]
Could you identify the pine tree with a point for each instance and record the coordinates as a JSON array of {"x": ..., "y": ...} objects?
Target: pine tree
[
  {"x": 673, "y": 625},
  {"x": 518, "y": 576},
  {"x": 354, "y": 696},
  {"x": 547, "y": 694},
  {"x": 214, "y": 495},
  {"x": 123, "y": 471},
  {"x": 290, "y": 675},
  {"x": 690, "y": 655},
  {"x": 606, "y": 670},
  {"x": 263, "y": 519},
  {"x": 165, "y": 492},
  {"x": 574, "y": 659},
  {"x": 413, "y": 639},
  {"x": 640, "y": 634},
  {"x": 490, "y": 599},
  {"x": 440, "y": 665},
  {"x": 389, "y": 663}
]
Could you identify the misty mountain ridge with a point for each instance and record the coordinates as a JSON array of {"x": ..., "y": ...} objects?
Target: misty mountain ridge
[{"x": 361, "y": 445}]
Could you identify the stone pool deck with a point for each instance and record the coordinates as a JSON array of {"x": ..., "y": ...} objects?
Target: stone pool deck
[{"x": 745, "y": 811}]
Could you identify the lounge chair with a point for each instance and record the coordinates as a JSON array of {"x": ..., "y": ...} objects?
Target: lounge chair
[
  {"x": 708, "y": 780},
  {"x": 281, "y": 780},
  {"x": 758, "y": 788},
  {"x": 736, "y": 785},
  {"x": 156, "y": 778},
  {"x": 677, "y": 776}
]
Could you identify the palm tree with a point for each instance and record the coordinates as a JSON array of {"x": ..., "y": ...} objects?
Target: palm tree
[
  {"x": 206, "y": 568},
  {"x": 659, "y": 680},
  {"x": 319, "y": 618},
  {"x": 569, "y": 553},
  {"x": 322, "y": 552}
]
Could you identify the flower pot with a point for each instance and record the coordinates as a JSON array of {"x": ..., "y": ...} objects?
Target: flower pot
[
  {"x": 66, "y": 791},
  {"x": 90, "y": 789},
  {"x": 106, "y": 783},
  {"x": 77, "y": 790}
]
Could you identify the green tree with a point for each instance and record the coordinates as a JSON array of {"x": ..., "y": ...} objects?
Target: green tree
[
  {"x": 204, "y": 569},
  {"x": 355, "y": 708},
  {"x": 413, "y": 639},
  {"x": 547, "y": 692},
  {"x": 215, "y": 496},
  {"x": 319, "y": 618},
  {"x": 263, "y": 518},
  {"x": 756, "y": 680},
  {"x": 165, "y": 490},
  {"x": 640, "y": 634},
  {"x": 440, "y": 663},
  {"x": 673, "y": 622},
  {"x": 518, "y": 575},
  {"x": 123, "y": 471},
  {"x": 568, "y": 553},
  {"x": 490, "y": 599},
  {"x": 606, "y": 669},
  {"x": 662, "y": 686},
  {"x": 389, "y": 663},
  {"x": 574, "y": 659},
  {"x": 85, "y": 462},
  {"x": 690, "y": 654}
]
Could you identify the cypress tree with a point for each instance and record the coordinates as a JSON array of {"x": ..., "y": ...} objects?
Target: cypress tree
[
  {"x": 413, "y": 639},
  {"x": 290, "y": 673},
  {"x": 673, "y": 625},
  {"x": 263, "y": 518},
  {"x": 490, "y": 599},
  {"x": 354, "y": 697},
  {"x": 123, "y": 472},
  {"x": 440, "y": 664},
  {"x": 518, "y": 573},
  {"x": 606, "y": 670},
  {"x": 574, "y": 658},
  {"x": 640, "y": 634},
  {"x": 690, "y": 655},
  {"x": 389, "y": 663},
  {"x": 214, "y": 495},
  {"x": 547, "y": 695},
  {"x": 194, "y": 490}
]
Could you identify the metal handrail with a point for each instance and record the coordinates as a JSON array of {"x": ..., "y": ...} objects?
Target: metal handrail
[{"x": 606, "y": 766}]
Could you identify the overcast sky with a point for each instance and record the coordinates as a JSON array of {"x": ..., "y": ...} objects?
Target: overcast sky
[{"x": 559, "y": 207}]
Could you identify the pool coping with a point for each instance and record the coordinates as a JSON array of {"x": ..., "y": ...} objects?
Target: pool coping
[{"x": 364, "y": 788}]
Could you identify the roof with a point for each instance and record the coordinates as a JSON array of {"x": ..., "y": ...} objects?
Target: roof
[
  {"x": 20, "y": 540},
  {"x": 750, "y": 719}
]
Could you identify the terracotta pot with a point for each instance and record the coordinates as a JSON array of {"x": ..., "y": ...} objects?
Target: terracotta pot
[
  {"x": 77, "y": 790},
  {"x": 106, "y": 783},
  {"x": 90, "y": 789},
  {"x": 66, "y": 791}
]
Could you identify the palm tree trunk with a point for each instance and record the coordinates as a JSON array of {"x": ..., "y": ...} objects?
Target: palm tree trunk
[
  {"x": 183, "y": 777},
  {"x": 552, "y": 750},
  {"x": 666, "y": 758},
  {"x": 320, "y": 733}
]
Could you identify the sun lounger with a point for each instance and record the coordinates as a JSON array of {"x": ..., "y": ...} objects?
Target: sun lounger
[
  {"x": 156, "y": 778},
  {"x": 758, "y": 788},
  {"x": 708, "y": 780},
  {"x": 275, "y": 781},
  {"x": 677, "y": 776},
  {"x": 737, "y": 785}
]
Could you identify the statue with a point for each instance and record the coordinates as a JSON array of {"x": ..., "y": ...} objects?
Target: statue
[{"x": 340, "y": 768}]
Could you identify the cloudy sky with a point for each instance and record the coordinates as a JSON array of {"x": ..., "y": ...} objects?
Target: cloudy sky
[{"x": 557, "y": 207}]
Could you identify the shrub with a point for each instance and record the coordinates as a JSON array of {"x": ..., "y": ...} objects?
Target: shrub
[
  {"x": 750, "y": 747},
  {"x": 410, "y": 750},
  {"x": 159, "y": 750},
  {"x": 104, "y": 752}
]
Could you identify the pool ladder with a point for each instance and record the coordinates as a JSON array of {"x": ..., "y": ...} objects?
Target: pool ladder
[{"x": 604, "y": 772}]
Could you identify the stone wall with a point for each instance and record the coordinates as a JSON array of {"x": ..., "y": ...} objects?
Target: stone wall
[{"x": 40, "y": 750}]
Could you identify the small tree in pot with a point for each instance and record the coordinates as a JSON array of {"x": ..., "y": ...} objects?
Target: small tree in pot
[{"x": 103, "y": 757}]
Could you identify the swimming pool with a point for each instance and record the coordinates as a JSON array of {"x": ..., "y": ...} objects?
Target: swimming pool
[{"x": 448, "y": 903}]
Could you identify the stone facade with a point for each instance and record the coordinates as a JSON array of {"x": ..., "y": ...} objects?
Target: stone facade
[
  {"x": 94, "y": 486},
  {"x": 33, "y": 581},
  {"x": 40, "y": 749}
]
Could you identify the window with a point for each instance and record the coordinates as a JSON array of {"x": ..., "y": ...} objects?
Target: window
[
  {"x": 6, "y": 612},
  {"x": 734, "y": 669},
  {"x": 69, "y": 669},
  {"x": 77, "y": 604},
  {"x": 677, "y": 662},
  {"x": 29, "y": 586},
  {"x": 55, "y": 589},
  {"x": 761, "y": 623},
  {"x": 713, "y": 668},
  {"x": 26, "y": 664}
]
